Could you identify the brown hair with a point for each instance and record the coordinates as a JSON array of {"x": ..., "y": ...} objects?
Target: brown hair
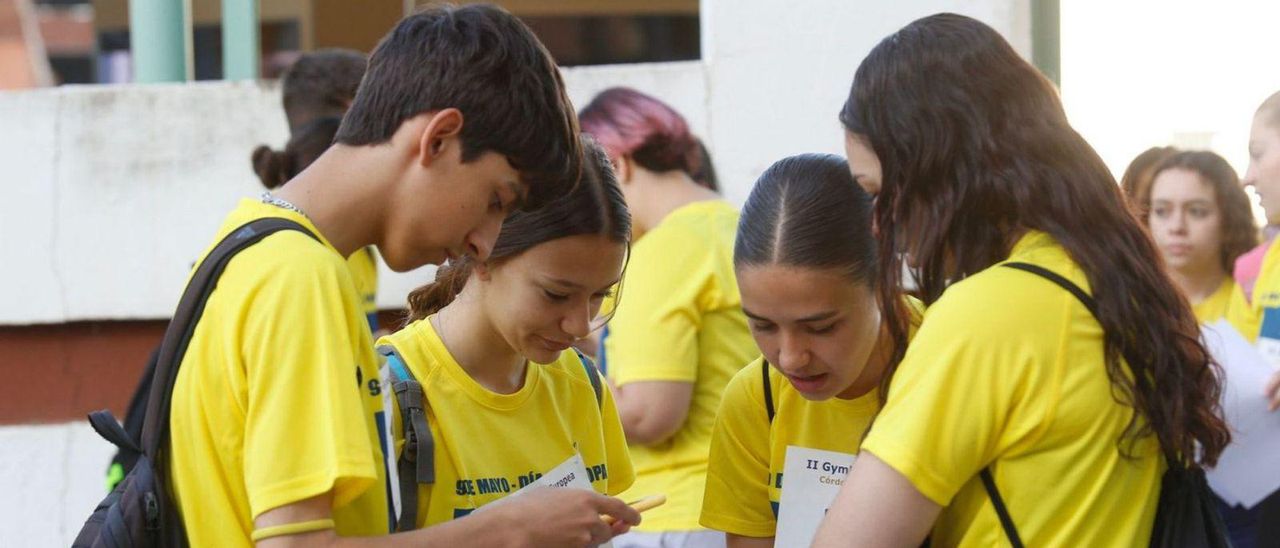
[
  {"x": 808, "y": 211},
  {"x": 484, "y": 62},
  {"x": 1136, "y": 180},
  {"x": 595, "y": 206},
  {"x": 321, "y": 83},
  {"x": 973, "y": 139},
  {"x": 1239, "y": 234},
  {"x": 276, "y": 167}
]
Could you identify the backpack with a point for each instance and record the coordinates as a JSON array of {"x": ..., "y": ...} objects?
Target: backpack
[
  {"x": 125, "y": 457},
  {"x": 417, "y": 462},
  {"x": 140, "y": 511}
]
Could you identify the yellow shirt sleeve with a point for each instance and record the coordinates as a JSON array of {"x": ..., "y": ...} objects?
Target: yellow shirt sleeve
[
  {"x": 301, "y": 363},
  {"x": 958, "y": 398},
  {"x": 621, "y": 473},
  {"x": 736, "y": 499},
  {"x": 364, "y": 272},
  {"x": 654, "y": 333}
]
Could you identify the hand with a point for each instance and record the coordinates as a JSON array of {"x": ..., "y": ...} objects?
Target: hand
[
  {"x": 561, "y": 517},
  {"x": 1272, "y": 392}
]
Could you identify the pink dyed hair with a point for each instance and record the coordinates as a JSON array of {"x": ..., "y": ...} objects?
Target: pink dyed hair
[{"x": 627, "y": 122}]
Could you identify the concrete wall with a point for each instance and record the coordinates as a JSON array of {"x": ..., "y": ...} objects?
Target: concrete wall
[{"x": 108, "y": 194}]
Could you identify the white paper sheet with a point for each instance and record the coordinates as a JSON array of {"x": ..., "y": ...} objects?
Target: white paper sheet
[{"x": 1249, "y": 469}]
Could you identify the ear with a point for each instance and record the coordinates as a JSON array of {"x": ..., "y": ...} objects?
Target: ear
[
  {"x": 442, "y": 131},
  {"x": 481, "y": 270},
  {"x": 622, "y": 168}
]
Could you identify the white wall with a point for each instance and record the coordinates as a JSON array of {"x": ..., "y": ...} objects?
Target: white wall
[
  {"x": 53, "y": 476},
  {"x": 779, "y": 72}
]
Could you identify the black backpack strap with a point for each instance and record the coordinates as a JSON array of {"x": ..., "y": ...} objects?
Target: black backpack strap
[
  {"x": 417, "y": 462},
  {"x": 768, "y": 390},
  {"x": 105, "y": 424},
  {"x": 989, "y": 482},
  {"x": 592, "y": 375},
  {"x": 1006, "y": 521},
  {"x": 177, "y": 336},
  {"x": 1056, "y": 278}
]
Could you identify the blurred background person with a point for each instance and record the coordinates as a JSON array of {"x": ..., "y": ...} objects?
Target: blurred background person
[
  {"x": 1201, "y": 220},
  {"x": 678, "y": 334}
]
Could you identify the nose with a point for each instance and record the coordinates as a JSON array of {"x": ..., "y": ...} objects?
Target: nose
[
  {"x": 1179, "y": 224},
  {"x": 577, "y": 322},
  {"x": 792, "y": 355},
  {"x": 480, "y": 241},
  {"x": 1250, "y": 175}
]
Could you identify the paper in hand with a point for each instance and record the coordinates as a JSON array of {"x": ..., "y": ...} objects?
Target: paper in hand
[{"x": 1249, "y": 469}]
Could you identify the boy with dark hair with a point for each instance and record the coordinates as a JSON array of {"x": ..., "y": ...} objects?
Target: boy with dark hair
[
  {"x": 278, "y": 409},
  {"x": 320, "y": 84}
]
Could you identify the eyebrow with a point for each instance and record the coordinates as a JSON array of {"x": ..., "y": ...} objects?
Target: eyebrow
[
  {"x": 564, "y": 283},
  {"x": 1193, "y": 201},
  {"x": 810, "y": 318},
  {"x": 520, "y": 192}
]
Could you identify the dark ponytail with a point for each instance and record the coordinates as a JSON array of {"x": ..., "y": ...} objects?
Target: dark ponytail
[
  {"x": 808, "y": 211},
  {"x": 594, "y": 206},
  {"x": 277, "y": 167}
]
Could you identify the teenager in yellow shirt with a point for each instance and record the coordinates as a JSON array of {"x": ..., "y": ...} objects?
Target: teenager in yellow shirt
[
  {"x": 679, "y": 335},
  {"x": 274, "y": 435},
  {"x": 805, "y": 259},
  {"x": 1255, "y": 307},
  {"x": 507, "y": 400},
  {"x": 1201, "y": 220},
  {"x": 1010, "y": 377}
]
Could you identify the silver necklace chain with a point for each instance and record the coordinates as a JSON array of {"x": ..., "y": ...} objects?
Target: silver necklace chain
[{"x": 269, "y": 198}]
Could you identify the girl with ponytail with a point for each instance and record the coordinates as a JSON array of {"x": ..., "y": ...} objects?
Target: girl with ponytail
[{"x": 506, "y": 398}]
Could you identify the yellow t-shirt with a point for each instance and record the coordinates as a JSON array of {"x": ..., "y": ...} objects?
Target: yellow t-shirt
[
  {"x": 679, "y": 318},
  {"x": 489, "y": 445},
  {"x": 1007, "y": 370},
  {"x": 1260, "y": 314},
  {"x": 744, "y": 480},
  {"x": 1214, "y": 307},
  {"x": 278, "y": 398},
  {"x": 748, "y": 452},
  {"x": 364, "y": 272}
]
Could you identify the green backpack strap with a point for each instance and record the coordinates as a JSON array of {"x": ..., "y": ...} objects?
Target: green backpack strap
[
  {"x": 416, "y": 464},
  {"x": 593, "y": 375}
]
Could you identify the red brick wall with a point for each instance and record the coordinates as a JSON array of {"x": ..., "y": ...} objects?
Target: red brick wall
[{"x": 59, "y": 373}]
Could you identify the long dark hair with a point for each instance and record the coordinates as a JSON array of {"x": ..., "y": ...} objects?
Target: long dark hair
[
  {"x": 807, "y": 211},
  {"x": 974, "y": 148},
  {"x": 595, "y": 206},
  {"x": 1239, "y": 233}
]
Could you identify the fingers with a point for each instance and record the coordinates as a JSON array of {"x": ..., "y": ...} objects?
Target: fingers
[
  {"x": 1272, "y": 392},
  {"x": 619, "y": 528},
  {"x": 600, "y": 533},
  {"x": 619, "y": 510}
]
